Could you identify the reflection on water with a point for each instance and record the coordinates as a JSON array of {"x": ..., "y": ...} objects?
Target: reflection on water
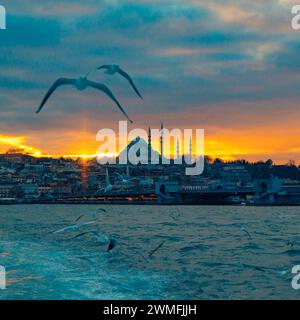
[{"x": 205, "y": 253}]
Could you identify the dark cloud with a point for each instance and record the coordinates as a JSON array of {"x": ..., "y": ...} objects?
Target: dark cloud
[
  {"x": 184, "y": 55},
  {"x": 23, "y": 31}
]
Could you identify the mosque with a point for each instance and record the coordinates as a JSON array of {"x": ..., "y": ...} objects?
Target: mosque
[{"x": 179, "y": 155}]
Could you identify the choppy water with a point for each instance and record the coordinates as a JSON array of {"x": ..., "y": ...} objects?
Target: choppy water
[{"x": 206, "y": 255}]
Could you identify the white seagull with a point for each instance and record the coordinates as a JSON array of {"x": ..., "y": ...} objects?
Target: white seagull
[
  {"x": 81, "y": 84},
  {"x": 108, "y": 187},
  {"x": 114, "y": 68}
]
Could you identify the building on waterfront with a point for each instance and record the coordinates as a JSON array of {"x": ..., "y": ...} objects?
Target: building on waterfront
[
  {"x": 273, "y": 191},
  {"x": 235, "y": 175},
  {"x": 29, "y": 190},
  {"x": 9, "y": 191}
]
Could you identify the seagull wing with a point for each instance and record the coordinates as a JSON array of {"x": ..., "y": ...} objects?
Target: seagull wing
[
  {"x": 79, "y": 218},
  {"x": 105, "y": 66},
  {"x": 248, "y": 234},
  {"x": 74, "y": 227},
  {"x": 87, "y": 223},
  {"x": 65, "y": 229},
  {"x": 151, "y": 253},
  {"x": 100, "y": 209},
  {"x": 107, "y": 91},
  {"x": 79, "y": 235},
  {"x": 59, "y": 82},
  {"x": 127, "y": 76}
]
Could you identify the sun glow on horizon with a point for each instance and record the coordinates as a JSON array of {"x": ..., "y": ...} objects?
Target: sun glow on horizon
[
  {"x": 17, "y": 142},
  {"x": 215, "y": 147}
]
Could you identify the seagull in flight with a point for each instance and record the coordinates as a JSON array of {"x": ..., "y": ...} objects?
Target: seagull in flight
[
  {"x": 247, "y": 232},
  {"x": 81, "y": 84},
  {"x": 113, "y": 69},
  {"x": 151, "y": 253},
  {"x": 108, "y": 186},
  {"x": 112, "y": 243}
]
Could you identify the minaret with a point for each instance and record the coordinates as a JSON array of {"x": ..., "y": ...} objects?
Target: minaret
[
  {"x": 149, "y": 145},
  {"x": 162, "y": 142}
]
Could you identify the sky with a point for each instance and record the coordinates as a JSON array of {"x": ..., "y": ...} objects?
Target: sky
[{"x": 229, "y": 67}]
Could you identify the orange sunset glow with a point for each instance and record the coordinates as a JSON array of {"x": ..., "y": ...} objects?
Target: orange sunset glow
[{"x": 227, "y": 145}]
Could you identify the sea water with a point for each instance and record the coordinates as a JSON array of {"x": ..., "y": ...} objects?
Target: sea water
[{"x": 205, "y": 252}]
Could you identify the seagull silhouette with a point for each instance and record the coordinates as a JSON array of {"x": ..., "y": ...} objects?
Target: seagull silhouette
[
  {"x": 81, "y": 84},
  {"x": 112, "y": 243},
  {"x": 114, "y": 68},
  {"x": 247, "y": 232},
  {"x": 151, "y": 253}
]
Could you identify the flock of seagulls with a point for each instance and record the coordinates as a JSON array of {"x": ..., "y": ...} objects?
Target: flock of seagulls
[
  {"x": 100, "y": 237},
  {"x": 83, "y": 83},
  {"x": 78, "y": 231},
  {"x": 109, "y": 241}
]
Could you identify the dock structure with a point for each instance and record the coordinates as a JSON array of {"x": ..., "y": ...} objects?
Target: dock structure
[
  {"x": 272, "y": 192},
  {"x": 164, "y": 193},
  {"x": 174, "y": 193}
]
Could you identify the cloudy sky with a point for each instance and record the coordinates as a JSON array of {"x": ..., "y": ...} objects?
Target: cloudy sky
[{"x": 230, "y": 67}]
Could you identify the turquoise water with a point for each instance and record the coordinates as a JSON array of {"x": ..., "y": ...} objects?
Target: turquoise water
[{"x": 206, "y": 254}]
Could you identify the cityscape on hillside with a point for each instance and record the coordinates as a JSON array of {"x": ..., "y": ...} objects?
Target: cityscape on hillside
[{"x": 28, "y": 179}]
